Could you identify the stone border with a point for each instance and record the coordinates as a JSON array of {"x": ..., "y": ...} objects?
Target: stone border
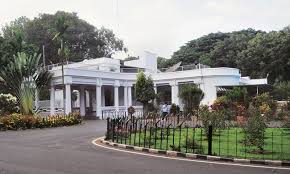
[{"x": 196, "y": 156}]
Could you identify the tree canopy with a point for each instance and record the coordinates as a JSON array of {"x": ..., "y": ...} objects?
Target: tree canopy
[
  {"x": 83, "y": 40},
  {"x": 256, "y": 53}
]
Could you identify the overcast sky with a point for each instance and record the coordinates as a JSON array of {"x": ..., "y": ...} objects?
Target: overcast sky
[{"x": 160, "y": 26}]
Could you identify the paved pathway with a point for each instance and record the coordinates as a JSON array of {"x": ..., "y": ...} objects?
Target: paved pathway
[{"x": 68, "y": 150}]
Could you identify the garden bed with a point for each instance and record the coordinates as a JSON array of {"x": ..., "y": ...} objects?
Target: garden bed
[{"x": 22, "y": 122}]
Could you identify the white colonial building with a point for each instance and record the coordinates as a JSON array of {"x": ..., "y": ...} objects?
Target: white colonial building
[{"x": 107, "y": 84}]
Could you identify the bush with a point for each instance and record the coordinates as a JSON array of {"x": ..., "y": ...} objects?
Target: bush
[
  {"x": 174, "y": 109},
  {"x": 238, "y": 95},
  {"x": 22, "y": 122},
  {"x": 266, "y": 105},
  {"x": 255, "y": 129},
  {"x": 214, "y": 118},
  {"x": 8, "y": 104},
  {"x": 191, "y": 95},
  {"x": 190, "y": 143}
]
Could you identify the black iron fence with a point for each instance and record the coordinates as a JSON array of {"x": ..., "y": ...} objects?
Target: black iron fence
[{"x": 186, "y": 134}]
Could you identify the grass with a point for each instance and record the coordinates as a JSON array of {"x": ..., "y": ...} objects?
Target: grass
[{"x": 226, "y": 143}]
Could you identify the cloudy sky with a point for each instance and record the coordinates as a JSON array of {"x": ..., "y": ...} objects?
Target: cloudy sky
[{"x": 160, "y": 26}]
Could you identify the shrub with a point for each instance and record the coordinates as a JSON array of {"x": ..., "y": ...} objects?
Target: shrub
[
  {"x": 191, "y": 96},
  {"x": 19, "y": 121},
  {"x": 190, "y": 143},
  {"x": 131, "y": 110},
  {"x": 255, "y": 128},
  {"x": 266, "y": 104},
  {"x": 174, "y": 109},
  {"x": 8, "y": 104},
  {"x": 238, "y": 95},
  {"x": 214, "y": 118}
]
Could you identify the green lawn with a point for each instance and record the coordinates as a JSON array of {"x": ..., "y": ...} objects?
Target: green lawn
[{"x": 226, "y": 143}]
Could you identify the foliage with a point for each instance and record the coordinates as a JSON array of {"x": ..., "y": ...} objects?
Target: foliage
[
  {"x": 210, "y": 117},
  {"x": 191, "y": 97},
  {"x": 131, "y": 110},
  {"x": 255, "y": 129},
  {"x": 129, "y": 58},
  {"x": 238, "y": 95},
  {"x": 84, "y": 40},
  {"x": 8, "y": 104},
  {"x": 174, "y": 109},
  {"x": 191, "y": 143},
  {"x": 22, "y": 76},
  {"x": 19, "y": 121},
  {"x": 256, "y": 53},
  {"x": 281, "y": 90},
  {"x": 266, "y": 104},
  {"x": 9, "y": 47},
  {"x": 144, "y": 89}
]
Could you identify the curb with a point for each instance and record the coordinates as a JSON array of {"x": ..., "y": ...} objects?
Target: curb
[{"x": 197, "y": 156}]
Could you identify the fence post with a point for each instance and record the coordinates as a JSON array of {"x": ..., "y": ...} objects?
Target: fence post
[
  {"x": 209, "y": 139},
  {"x": 108, "y": 129}
]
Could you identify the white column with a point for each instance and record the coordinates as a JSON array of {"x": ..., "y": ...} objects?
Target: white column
[
  {"x": 36, "y": 100},
  {"x": 98, "y": 100},
  {"x": 82, "y": 101},
  {"x": 174, "y": 93},
  {"x": 155, "y": 90},
  {"x": 67, "y": 99},
  {"x": 126, "y": 97},
  {"x": 52, "y": 98},
  {"x": 116, "y": 97},
  {"x": 129, "y": 96}
]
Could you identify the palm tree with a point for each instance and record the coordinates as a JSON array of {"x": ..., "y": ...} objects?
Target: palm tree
[
  {"x": 61, "y": 27},
  {"x": 22, "y": 76},
  {"x": 191, "y": 96}
]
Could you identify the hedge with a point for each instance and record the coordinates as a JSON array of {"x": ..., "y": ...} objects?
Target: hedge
[{"x": 22, "y": 122}]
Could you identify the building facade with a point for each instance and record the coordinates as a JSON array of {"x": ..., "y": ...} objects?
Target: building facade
[{"x": 107, "y": 84}]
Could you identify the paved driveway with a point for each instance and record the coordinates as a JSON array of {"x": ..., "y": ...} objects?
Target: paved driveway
[{"x": 69, "y": 150}]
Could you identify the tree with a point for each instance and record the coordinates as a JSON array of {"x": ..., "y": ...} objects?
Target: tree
[
  {"x": 191, "y": 97},
  {"x": 256, "y": 53},
  {"x": 9, "y": 47},
  {"x": 84, "y": 40},
  {"x": 22, "y": 76},
  {"x": 144, "y": 90},
  {"x": 281, "y": 90},
  {"x": 255, "y": 129},
  {"x": 61, "y": 28}
]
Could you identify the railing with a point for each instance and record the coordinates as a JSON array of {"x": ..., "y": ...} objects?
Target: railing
[
  {"x": 112, "y": 112},
  {"x": 187, "y": 67},
  {"x": 187, "y": 135}
]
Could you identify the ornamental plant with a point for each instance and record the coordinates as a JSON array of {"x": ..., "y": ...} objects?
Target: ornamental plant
[
  {"x": 144, "y": 90},
  {"x": 22, "y": 76},
  {"x": 22, "y": 122},
  {"x": 191, "y": 95},
  {"x": 255, "y": 129},
  {"x": 131, "y": 110},
  {"x": 8, "y": 104}
]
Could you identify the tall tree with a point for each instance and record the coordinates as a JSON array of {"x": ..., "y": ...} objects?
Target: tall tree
[
  {"x": 61, "y": 28},
  {"x": 84, "y": 40}
]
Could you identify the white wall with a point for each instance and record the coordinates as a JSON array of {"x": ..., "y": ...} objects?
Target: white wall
[{"x": 147, "y": 61}]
